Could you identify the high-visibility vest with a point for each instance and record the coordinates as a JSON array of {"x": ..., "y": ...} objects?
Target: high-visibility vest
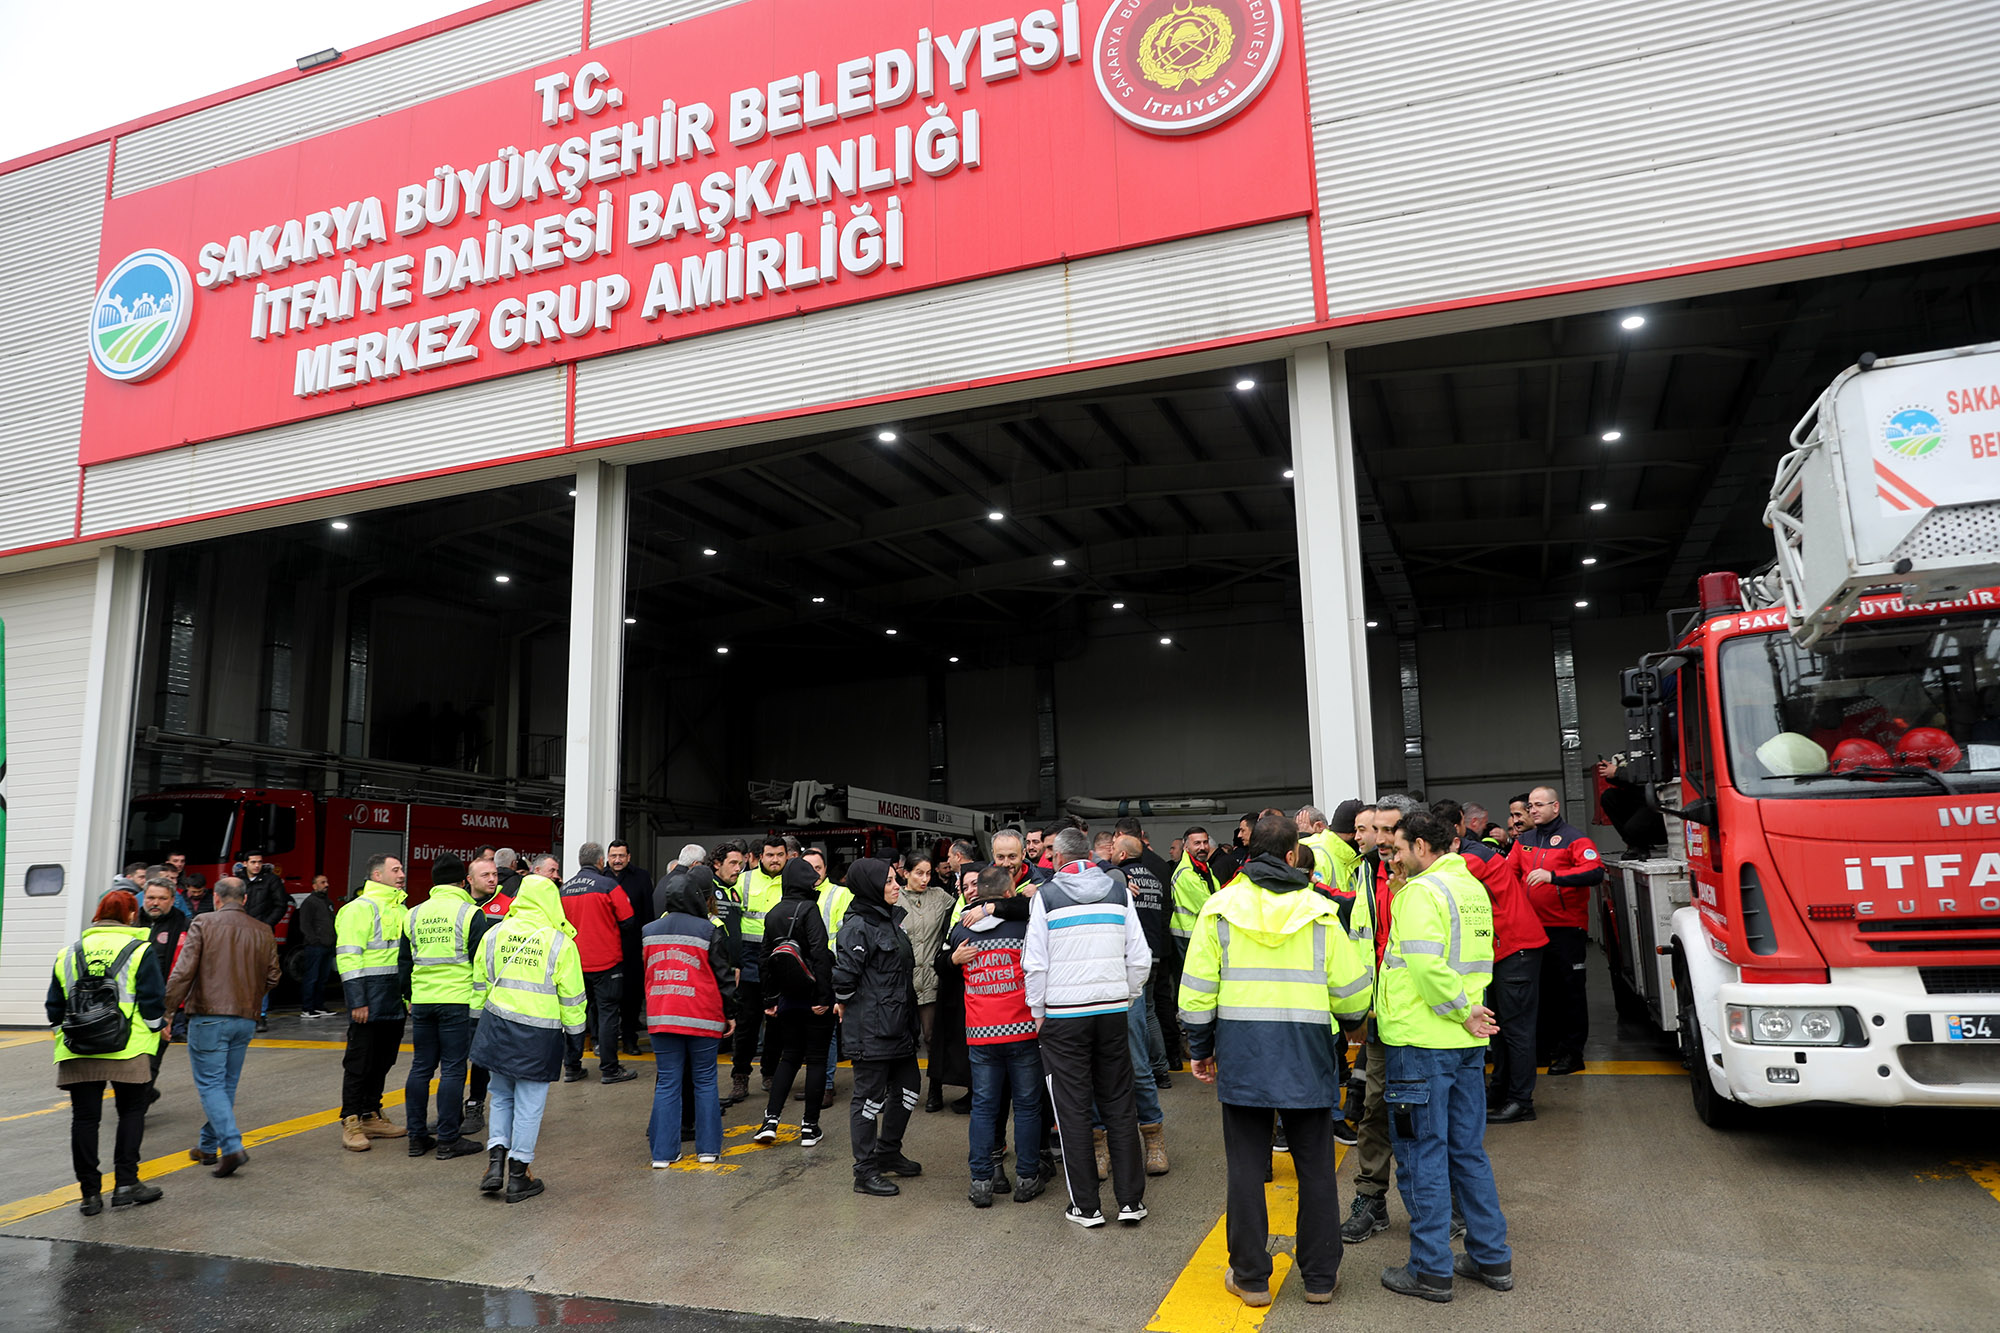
[
  {"x": 683, "y": 996},
  {"x": 1191, "y": 889},
  {"x": 758, "y": 897},
  {"x": 101, "y": 944},
  {"x": 1323, "y": 865},
  {"x": 1438, "y": 959},
  {"x": 1262, "y": 957},
  {"x": 440, "y": 947},
  {"x": 834, "y": 900},
  {"x": 368, "y": 937},
  {"x": 530, "y": 973}
]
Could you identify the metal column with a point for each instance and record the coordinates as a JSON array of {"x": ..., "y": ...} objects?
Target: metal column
[
  {"x": 1343, "y": 756},
  {"x": 104, "y": 765},
  {"x": 596, "y": 657}
]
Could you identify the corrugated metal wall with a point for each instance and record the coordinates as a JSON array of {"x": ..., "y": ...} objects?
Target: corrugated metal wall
[
  {"x": 1466, "y": 149},
  {"x": 47, "y": 617},
  {"x": 348, "y": 94},
  {"x": 476, "y": 423},
  {"x": 45, "y": 296},
  {"x": 1133, "y": 301},
  {"x": 614, "y": 20}
]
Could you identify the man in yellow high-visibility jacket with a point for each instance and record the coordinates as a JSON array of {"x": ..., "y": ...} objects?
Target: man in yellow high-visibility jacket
[
  {"x": 1436, "y": 963},
  {"x": 444, "y": 932},
  {"x": 1269, "y": 970},
  {"x": 367, "y": 953}
]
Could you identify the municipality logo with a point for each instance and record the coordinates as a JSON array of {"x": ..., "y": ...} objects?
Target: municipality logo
[
  {"x": 1180, "y": 66},
  {"x": 1913, "y": 432},
  {"x": 141, "y": 315}
]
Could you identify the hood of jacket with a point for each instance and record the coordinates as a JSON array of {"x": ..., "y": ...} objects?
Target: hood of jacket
[
  {"x": 1278, "y": 908},
  {"x": 457, "y": 893},
  {"x": 1084, "y": 882},
  {"x": 869, "y": 879},
  {"x": 799, "y": 879},
  {"x": 686, "y": 891},
  {"x": 382, "y": 893},
  {"x": 538, "y": 902}
]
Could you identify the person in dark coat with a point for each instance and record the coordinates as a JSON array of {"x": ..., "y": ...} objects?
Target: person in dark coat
[
  {"x": 638, "y": 886},
  {"x": 801, "y": 1026},
  {"x": 950, "y": 1063},
  {"x": 875, "y": 996}
]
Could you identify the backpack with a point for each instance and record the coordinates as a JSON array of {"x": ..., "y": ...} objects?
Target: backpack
[
  {"x": 787, "y": 967},
  {"x": 94, "y": 1023}
]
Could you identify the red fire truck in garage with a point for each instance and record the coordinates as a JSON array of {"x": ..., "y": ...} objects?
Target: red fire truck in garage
[
  {"x": 1826, "y": 742},
  {"x": 308, "y": 834}
]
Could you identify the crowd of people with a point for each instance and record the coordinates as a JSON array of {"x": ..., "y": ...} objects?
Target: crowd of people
[{"x": 1338, "y": 980}]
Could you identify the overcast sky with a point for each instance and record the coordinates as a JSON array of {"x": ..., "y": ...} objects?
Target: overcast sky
[{"x": 74, "y": 66}]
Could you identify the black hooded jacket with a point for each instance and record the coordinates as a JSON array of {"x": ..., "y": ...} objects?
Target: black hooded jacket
[
  {"x": 797, "y": 917},
  {"x": 874, "y": 972}
]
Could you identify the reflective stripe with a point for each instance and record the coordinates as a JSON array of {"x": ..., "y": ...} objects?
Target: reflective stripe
[
  {"x": 570, "y": 1000},
  {"x": 349, "y": 948},
  {"x": 1197, "y": 1018},
  {"x": 1222, "y": 947},
  {"x": 1247, "y": 1014},
  {"x": 1473, "y": 969},
  {"x": 1391, "y": 962},
  {"x": 532, "y": 987},
  {"x": 1352, "y": 988},
  {"x": 1456, "y": 1003},
  {"x": 377, "y": 942},
  {"x": 1201, "y": 984},
  {"x": 1286, "y": 974},
  {"x": 1178, "y": 933},
  {"x": 388, "y": 970},
  {"x": 530, "y": 1020},
  {"x": 693, "y": 941},
  {"x": 676, "y": 1020},
  {"x": 1422, "y": 946},
  {"x": 437, "y": 960}
]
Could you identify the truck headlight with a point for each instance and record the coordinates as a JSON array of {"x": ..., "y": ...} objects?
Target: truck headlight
[{"x": 1761, "y": 1026}]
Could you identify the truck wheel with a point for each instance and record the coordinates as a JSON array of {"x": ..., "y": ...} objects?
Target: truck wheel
[{"x": 1714, "y": 1110}]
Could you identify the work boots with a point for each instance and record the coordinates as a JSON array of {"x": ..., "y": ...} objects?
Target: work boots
[
  {"x": 352, "y": 1137},
  {"x": 739, "y": 1088},
  {"x": 521, "y": 1182},
  {"x": 1103, "y": 1147},
  {"x": 495, "y": 1178},
  {"x": 377, "y": 1126},
  {"x": 1155, "y": 1137}
]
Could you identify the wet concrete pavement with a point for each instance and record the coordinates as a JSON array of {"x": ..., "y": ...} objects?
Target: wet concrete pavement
[{"x": 1624, "y": 1211}]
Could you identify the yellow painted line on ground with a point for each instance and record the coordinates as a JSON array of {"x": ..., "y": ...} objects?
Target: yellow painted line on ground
[
  {"x": 1987, "y": 1174},
  {"x": 1198, "y": 1302},
  {"x": 22, "y": 1209},
  {"x": 25, "y": 1039},
  {"x": 28, "y": 1115},
  {"x": 1661, "y": 1067}
]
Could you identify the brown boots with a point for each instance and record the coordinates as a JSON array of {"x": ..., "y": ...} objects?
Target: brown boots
[
  {"x": 1103, "y": 1147},
  {"x": 1155, "y": 1137},
  {"x": 357, "y": 1130}
]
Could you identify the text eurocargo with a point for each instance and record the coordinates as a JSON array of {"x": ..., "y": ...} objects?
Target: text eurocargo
[{"x": 772, "y": 158}]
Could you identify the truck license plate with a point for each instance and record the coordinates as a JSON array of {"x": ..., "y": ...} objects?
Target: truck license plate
[{"x": 1973, "y": 1027}]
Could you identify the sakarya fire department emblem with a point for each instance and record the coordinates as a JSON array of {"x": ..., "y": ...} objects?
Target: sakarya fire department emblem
[{"x": 1178, "y": 66}]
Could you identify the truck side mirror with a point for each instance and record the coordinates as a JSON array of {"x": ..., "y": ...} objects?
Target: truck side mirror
[
  {"x": 1700, "y": 812},
  {"x": 1639, "y": 687}
]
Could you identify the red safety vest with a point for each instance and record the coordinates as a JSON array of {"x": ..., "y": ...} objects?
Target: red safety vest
[{"x": 682, "y": 996}]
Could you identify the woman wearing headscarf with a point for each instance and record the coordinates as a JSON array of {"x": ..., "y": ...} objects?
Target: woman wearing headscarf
[
  {"x": 527, "y": 986},
  {"x": 112, "y": 948},
  {"x": 801, "y": 1019},
  {"x": 875, "y": 999},
  {"x": 926, "y": 908}
]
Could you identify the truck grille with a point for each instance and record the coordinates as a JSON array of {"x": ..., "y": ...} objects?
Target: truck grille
[
  {"x": 1951, "y": 1065},
  {"x": 1906, "y": 935},
  {"x": 1960, "y": 980}
]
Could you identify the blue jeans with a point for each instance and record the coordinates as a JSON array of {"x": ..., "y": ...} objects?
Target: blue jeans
[
  {"x": 1139, "y": 1024},
  {"x": 516, "y": 1121},
  {"x": 216, "y": 1043},
  {"x": 996, "y": 1068},
  {"x": 832, "y": 1056},
  {"x": 676, "y": 1056},
  {"x": 313, "y": 959},
  {"x": 440, "y": 1035},
  {"x": 1436, "y": 1100}
]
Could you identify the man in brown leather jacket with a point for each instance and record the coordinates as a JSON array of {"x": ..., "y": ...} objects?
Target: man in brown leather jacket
[{"x": 228, "y": 963}]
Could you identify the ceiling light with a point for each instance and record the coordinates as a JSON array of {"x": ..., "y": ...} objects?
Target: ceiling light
[
  {"x": 1288, "y": 474},
  {"x": 1118, "y": 606},
  {"x": 1590, "y": 560},
  {"x": 1581, "y": 604},
  {"x": 888, "y": 631},
  {"x": 572, "y": 495},
  {"x": 818, "y": 600},
  {"x": 886, "y": 436},
  {"x": 1632, "y": 322},
  {"x": 722, "y": 648},
  {"x": 1597, "y": 506},
  {"x": 1059, "y": 562},
  {"x": 1165, "y": 642},
  {"x": 340, "y": 525},
  {"x": 631, "y": 620},
  {"x": 954, "y": 659},
  {"x": 317, "y": 58},
  {"x": 708, "y": 550},
  {"x": 1245, "y": 386},
  {"x": 503, "y": 578},
  {"x": 1612, "y": 436},
  {"x": 994, "y": 516},
  {"x": 1373, "y": 623}
]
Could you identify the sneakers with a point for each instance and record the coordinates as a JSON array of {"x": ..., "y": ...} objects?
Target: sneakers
[
  {"x": 708, "y": 1158},
  {"x": 473, "y": 1118},
  {"x": 879, "y": 1185},
  {"x": 495, "y": 1178},
  {"x": 1345, "y": 1132},
  {"x": 421, "y": 1145},
  {"x": 1251, "y": 1296},
  {"x": 1409, "y": 1282},
  {"x": 351, "y": 1136},
  {"x": 766, "y": 1132},
  {"x": 1029, "y": 1187},
  {"x": 618, "y": 1074},
  {"x": 661, "y": 1166},
  {"x": 1500, "y": 1277},
  {"x": 521, "y": 1182},
  {"x": 1279, "y": 1143},
  {"x": 1366, "y": 1218},
  {"x": 1131, "y": 1214},
  {"x": 1083, "y": 1219},
  {"x": 981, "y": 1194},
  {"x": 810, "y": 1135}
]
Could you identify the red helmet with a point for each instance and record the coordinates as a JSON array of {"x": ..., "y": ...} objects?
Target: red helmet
[
  {"x": 1856, "y": 753},
  {"x": 1929, "y": 748}
]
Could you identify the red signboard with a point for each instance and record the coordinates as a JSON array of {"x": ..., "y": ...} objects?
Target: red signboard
[{"x": 772, "y": 158}]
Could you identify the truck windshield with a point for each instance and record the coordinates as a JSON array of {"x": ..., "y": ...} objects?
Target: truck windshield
[
  {"x": 197, "y": 828},
  {"x": 1867, "y": 710}
]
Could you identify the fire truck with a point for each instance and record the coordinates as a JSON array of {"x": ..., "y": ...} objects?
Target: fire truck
[
  {"x": 306, "y": 834},
  {"x": 1825, "y": 743},
  {"x": 852, "y": 822}
]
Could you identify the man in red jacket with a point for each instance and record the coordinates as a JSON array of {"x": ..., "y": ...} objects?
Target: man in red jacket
[
  {"x": 1518, "y": 940},
  {"x": 598, "y": 908},
  {"x": 1560, "y": 866}
]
